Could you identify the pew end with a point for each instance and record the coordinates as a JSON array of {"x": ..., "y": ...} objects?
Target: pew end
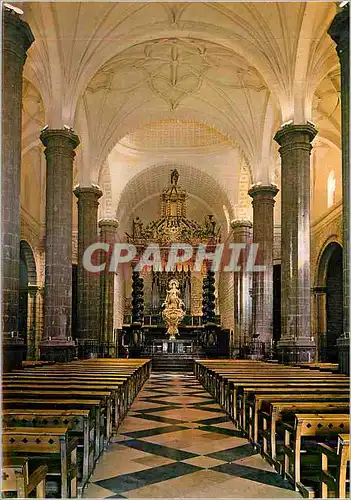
[
  {"x": 335, "y": 473},
  {"x": 17, "y": 479}
]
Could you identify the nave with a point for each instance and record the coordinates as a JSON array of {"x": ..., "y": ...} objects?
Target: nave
[
  {"x": 110, "y": 428},
  {"x": 176, "y": 441}
]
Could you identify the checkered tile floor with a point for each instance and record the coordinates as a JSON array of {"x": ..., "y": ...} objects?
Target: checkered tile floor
[{"x": 177, "y": 442}]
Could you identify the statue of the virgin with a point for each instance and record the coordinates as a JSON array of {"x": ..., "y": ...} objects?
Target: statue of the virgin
[{"x": 174, "y": 309}]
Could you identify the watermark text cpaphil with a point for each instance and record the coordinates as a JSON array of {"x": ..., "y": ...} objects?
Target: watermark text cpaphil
[{"x": 232, "y": 257}]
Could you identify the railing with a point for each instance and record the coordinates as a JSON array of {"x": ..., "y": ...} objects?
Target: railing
[
  {"x": 166, "y": 347},
  {"x": 13, "y": 338},
  {"x": 157, "y": 320}
]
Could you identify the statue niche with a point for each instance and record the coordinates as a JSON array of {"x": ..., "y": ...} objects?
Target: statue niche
[{"x": 174, "y": 309}]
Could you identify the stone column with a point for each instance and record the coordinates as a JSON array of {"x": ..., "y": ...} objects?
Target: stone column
[
  {"x": 263, "y": 235},
  {"x": 108, "y": 230},
  {"x": 88, "y": 282},
  {"x": 319, "y": 321},
  {"x": 17, "y": 38},
  {"x": 295, "y": 149},
  {"x": 340, "y": 33},
  {"x": 39, "y": 333},
  {"x": 31, "y": 321},
  {"x": 242, "y": 233},
  {"x": 57, "y": 343}
]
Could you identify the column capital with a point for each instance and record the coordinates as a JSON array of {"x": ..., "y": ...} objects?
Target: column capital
[
  {"x": 263, "y": 191},
  {"x": 17, "y": 35},
  {"x": 240, "y": 223},
  {"x": 65, "y": 139},
  {"x": 91, "y": 193},
  {"x": 290, "y": 134},
  {"x": 108, "y": 224},
  {"x": 339, "y": 29}
]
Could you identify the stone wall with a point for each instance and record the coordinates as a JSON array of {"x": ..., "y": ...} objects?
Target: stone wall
[{"x": 119, "y": 302}]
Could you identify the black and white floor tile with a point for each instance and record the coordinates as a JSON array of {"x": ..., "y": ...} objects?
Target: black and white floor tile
[{"x": 176, "y": 442}]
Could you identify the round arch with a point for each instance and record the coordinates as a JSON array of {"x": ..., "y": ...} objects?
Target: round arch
[
  {"x": 323, "y": 260},
  {"x": 27, "y": 255},
  {"x": 329, "y": 308}
]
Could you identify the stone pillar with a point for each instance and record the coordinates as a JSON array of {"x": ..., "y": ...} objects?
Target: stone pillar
[
  {"x": 88, "y": 282},
  {"x": 263, "y": 235},
  {"x": 39, "y": 330},
  {"x": 31, "y": 321},
  {"x": 57, "y": 343},
  {"x": 319, "y": 321},
  {"x": 295, "y": 149},
  {"x": 242, "y": 233},
  {"x": 340, "y": 33},
  {"x": 17, "y": 38},
  {"x": 108, "y": 230}
]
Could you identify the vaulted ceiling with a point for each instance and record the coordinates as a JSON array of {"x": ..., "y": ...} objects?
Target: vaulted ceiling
[{"x": 142, "y": 83}]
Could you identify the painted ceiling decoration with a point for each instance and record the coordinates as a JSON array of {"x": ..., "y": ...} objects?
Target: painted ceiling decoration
[{"x": 176, "y": 68}]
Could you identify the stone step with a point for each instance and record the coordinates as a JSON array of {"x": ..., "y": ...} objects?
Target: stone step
[{"x": 172, "y": 363}]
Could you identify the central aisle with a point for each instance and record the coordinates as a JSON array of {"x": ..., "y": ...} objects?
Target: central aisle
[{"x": 177, "y": 442}]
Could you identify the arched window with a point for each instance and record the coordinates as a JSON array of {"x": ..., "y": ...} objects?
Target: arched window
[{"x": 331, "y": 189}]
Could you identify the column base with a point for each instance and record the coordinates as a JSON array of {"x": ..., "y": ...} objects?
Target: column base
[
  {"x": 60, "y": 351},
  {"x": 13, "y": 353},
  {"x": 296, "y": 351},
  {"x": 343, "y": 344}
]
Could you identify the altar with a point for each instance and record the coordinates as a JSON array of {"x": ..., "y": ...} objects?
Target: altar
[
  {"x": 169, "y": 301},
  {"x": 176, "y": 346}
]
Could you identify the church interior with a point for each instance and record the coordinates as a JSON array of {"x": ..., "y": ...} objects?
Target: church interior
[{"x": 175, "y": 200}]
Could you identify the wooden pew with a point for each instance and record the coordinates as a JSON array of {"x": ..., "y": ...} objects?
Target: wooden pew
[
  {"x": 251, "y": 403},
  {"x": 241, "y": 387},
  {"x": 335, "y": 463},
  {"x": 240, "y": 392},
  {"x": 272, "y": 411},
  {"x": 219, "y": 373},
  {"x": 102, "y": 372},
  {"x": 307, "y": 427},
  {"x": 230, "y": 382},
  {"x": 218, "y": 379},
  {"x": 102, "y": 397},
  {"x": 80, "y": 422},
  {"x": 84, "y": 387},
  {"x": 62, "y": 405},
  {"x": 114, "y": 383},
  {"x": 27, "y": 364},
  {"x": 128, "y": 391},
  {"x": 328, "y": 367},
  {"x": 111, "y": 385},
  {"x": 45, "y": 442},
  {"x": 227, "y": 380},
  {"x": 17, "y": 479}
]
